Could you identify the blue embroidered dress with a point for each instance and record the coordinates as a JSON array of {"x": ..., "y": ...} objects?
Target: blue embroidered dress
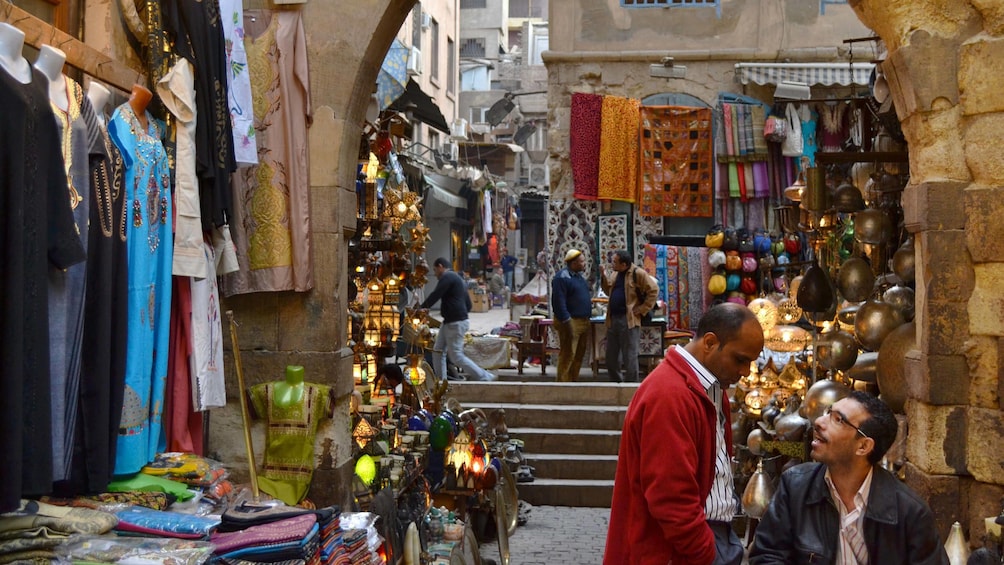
[{"x": 149, "y": 245}]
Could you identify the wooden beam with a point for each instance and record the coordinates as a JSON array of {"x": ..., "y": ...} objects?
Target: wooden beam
[{"x": 78, "y": 54}]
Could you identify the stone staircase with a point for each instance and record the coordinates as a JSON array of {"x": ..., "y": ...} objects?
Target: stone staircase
[{"x": 571, "y": 433}]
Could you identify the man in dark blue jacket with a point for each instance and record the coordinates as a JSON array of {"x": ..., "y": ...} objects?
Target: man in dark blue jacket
[
  {"x": 845, "y": 508},
  {"x": 456, "y": 303},
  {"x": 572, "y": 302}
]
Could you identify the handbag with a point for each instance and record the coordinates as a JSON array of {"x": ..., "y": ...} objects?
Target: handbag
[
  {"x": 647, "y": 317},
  {"x": 792, "y": 145},
  {"x": 775, "y": 129}
]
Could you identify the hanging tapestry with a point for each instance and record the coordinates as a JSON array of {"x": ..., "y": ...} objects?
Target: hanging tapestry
[
  {"x": 644, "y": 227},
  {"x": 682, "y": 274},
  {"x": 613, "y": 232},
  {"x": 676, "y": 162},
  {"x": 584, "y": 144},
  {"x": 619, "y": 149}
]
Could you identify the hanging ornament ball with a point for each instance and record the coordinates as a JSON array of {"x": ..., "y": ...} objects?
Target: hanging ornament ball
[
  {"x": 820, "y": 396},
  {"x": 902, "y": 298},
  {"x": 788, "y": 312},
  {"x": 904, "y": 261},
  {"x": 754, "y": 441},
  {"x": 856, "y": 279},
  {"x": 440, "y": 433},
  {"x": 836, "y": 350},
  {"x": 874, "y": 321},
  {"x": 889, "y": 369}
]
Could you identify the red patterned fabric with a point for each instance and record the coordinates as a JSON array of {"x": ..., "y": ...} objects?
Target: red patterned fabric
[{"x": 584, "y": 144}]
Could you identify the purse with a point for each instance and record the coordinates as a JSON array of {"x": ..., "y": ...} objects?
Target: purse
[{"x": 775, "y": 129}]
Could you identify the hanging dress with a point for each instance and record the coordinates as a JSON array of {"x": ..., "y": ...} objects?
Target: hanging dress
[
  {"x": 37, "y": 233},
  {"x": 271, "y": 222},
  {"x": 149, "y": 244}
]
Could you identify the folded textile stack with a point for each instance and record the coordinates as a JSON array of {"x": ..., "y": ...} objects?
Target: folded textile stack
[
  {"x": 293, "y": 538},
  {"x": 163, "y": 523},
  {"x": 30, "y": 533}
]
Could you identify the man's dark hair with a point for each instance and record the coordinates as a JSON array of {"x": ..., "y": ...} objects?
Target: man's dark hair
[
  {"x": 881, "y": 424},
  {"x": 392, "y": 374},
  {"x": 624, "y": 257},
  {"x": 441, "y": 262},
  {"x": 725, "y": 321}
]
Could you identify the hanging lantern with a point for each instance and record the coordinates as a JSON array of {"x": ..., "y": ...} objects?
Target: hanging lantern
[
  {"x": 787, "y": 339},
  {"x": 759, "y": 490},
  {"x": 360, "y": 368},
  {"x": 363, "y": 433},
  {"x": 766, "y": 312},
  {"x": 415, "y": 373},
  {"x": 366, "y": 469},
  {"x": 788, "y": 312},
  {"x": 755, "y": 401}
]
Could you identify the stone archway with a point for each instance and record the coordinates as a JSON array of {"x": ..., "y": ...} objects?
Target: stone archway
[
  {"x": 346, "y": 44},
  {"x": 943, "y": 73}
]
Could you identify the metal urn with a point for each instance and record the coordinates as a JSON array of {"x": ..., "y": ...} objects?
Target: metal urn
[
  {"x": 875, "y": 320},
  {"x": 904, "y": 261},
  {"x": 902, "y": 298},
  {"x": 872, "y": 225},
  {"x": 856, "y": 279},
  {"x": 889, "y": 366},
  {"x": 847, "y": 198},
  {"x": 956, "y": 545},
  {"x": 836, "y": 349},
  {"x": 864, "y": 369},
  {"x": 759, "y": 490},
  {"x": 815, "y": 293},
  {"x": 820, "y": 396}
]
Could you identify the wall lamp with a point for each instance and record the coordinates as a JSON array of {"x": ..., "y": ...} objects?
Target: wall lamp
[{"x": 666, "y": 68}]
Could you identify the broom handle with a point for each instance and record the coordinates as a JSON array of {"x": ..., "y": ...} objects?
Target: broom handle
[{"x": 245, "y": 415}]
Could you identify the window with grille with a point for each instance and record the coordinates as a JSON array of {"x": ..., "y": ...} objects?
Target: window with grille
[
  {"x": 472, "y": 47},
  {"x": 465, "y": 4},
  {"x": 528, "y": 9},
  {"x": 451, "y": 65},
  {"x": 434, "y": 30},
  {"x": 416, "y": 26}
]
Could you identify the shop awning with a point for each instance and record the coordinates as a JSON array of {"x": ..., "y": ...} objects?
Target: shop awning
[
  {"x": 446, "y": 189},
  {"x": 422, "y": 107},
  {"x": 826, "y": 74}
]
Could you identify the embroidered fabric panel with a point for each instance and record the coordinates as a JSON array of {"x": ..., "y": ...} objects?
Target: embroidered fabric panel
[
  {"x": 613, "y": 232},
  {"x": 676, "y": 162}
]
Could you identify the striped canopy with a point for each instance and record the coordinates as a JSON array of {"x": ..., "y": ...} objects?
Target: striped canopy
[{"x": 827, "y": 74}]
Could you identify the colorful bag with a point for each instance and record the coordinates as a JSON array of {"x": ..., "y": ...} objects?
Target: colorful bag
[{"x": 775, "y": 129}]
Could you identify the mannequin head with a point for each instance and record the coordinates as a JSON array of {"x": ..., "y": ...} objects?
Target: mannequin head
[
  {"x": 11, "y": 43},
  {"x": 140, "y": 98},
  {"x": 99, "y": 96},
  {"x": 50, "y": 62}
]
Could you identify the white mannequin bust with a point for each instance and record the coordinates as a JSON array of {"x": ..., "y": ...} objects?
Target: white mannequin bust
[
  {"x": 50, "y": 62},
  {"x": 99, "y": 96},
  {"x": 11, "y": 43}
]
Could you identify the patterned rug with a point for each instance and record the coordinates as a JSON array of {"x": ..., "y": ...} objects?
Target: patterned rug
[{"x": 613, "y": 232}]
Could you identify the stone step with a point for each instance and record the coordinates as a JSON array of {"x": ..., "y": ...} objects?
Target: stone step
[
  {"x": 567, "y": 492},
  {"x": 572, "y": 466},
  {"x": 576, "y": 416},
  {"x": 583, "y": 393},
  {"x": 567, "y": 441}
]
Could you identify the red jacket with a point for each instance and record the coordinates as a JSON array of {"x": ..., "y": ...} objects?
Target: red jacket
[{"x": 665, "y": 469}]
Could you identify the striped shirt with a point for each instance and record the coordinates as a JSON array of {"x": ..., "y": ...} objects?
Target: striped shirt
[
  {"x": 852, "y": 550},
  {"x": 722, "y": 504}
]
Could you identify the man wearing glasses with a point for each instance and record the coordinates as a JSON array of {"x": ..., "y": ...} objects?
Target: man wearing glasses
[{"x": 845, "y": 509}]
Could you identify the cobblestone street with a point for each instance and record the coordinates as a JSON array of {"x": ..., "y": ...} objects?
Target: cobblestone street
[{"x": 556, "y": 535}]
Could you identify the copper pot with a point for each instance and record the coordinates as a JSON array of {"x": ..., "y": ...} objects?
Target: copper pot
[
  {"x": 847, "y": 198},
  {"x": 820, "y": 396},
  {"x": 837, "y": 350},
  {"x": 904, "y": 261},
  {"x": 902, "y": 298},
  {"x": 864, "y": 368}
]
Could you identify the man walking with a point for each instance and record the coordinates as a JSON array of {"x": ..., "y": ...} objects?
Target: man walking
[
  {"x": 845, "y": 508},
  {"x": 632, "y": 293},
  {"x": 674, "y": 498},
  {"x": 572, "y": 303},
  {"x": 456, "y": 303},
  {"x": 509, "y": 268}
]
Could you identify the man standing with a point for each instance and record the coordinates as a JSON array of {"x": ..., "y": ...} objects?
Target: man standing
[
  {"x": 632, "y": 293},
  {"x": 508, "y": 268},
  {"x": 844, "y": 508},
  {"x": 456, "y": 303},
  {"x": 572, "y": 303},
  {"x": 674, "y": 498}
]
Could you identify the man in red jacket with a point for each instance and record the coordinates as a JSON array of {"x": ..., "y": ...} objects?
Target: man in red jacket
[{"x": 673, "y": 495}]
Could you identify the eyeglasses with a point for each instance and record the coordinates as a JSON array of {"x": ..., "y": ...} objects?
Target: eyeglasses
[{"x": 841, "y": 420}]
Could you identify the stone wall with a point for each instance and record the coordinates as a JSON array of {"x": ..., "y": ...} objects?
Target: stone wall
[{"x": 942, "y": 73}]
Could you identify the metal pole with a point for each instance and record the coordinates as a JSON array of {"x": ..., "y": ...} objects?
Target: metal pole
[{"x": 245, "y": 415}]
